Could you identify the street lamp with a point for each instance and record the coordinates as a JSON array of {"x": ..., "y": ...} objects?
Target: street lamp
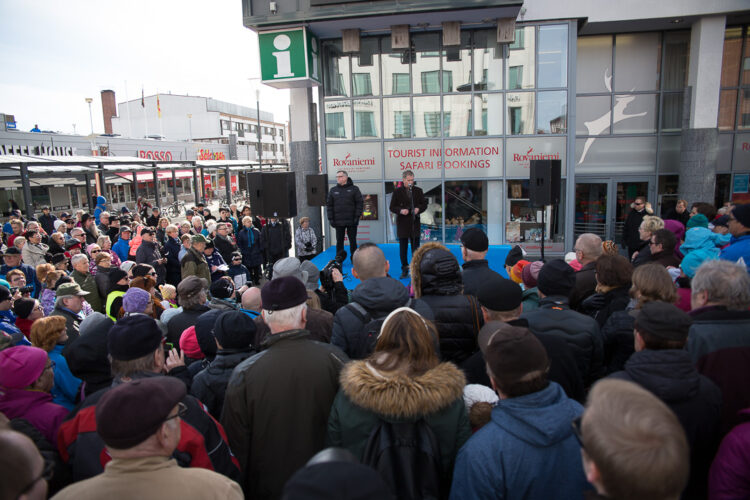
[
  {"x": 190, "y": 124},
  {"x": 91, "y": 117},
  {"x": 257, "y": 109}
]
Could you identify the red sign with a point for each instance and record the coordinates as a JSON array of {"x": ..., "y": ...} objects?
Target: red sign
[
  {"x": 234, "y": 184},
  {"x": 206, "y": 154},
  {"x": 207, "y": 182},
  {"x": 155, "y": 155}
]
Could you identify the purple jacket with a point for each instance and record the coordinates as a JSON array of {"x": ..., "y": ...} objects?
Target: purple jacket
[
  {"x": 730, "y": 473},
  {"x": 679, "y": 231},
  {"x": 36, "y": 407}
]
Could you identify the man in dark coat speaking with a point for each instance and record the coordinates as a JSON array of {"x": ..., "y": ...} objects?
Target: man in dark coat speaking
[
  {"x": 407, "y": 203},
  {"x": 344, "y": 208}
]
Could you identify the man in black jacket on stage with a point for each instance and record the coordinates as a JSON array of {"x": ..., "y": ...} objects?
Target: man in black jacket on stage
[
  {"x": 344, "y": 208},
  {"x": 407, "y": 203}
]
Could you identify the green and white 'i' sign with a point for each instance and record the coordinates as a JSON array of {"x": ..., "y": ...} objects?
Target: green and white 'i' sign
[{"x": 289, "y": 58}]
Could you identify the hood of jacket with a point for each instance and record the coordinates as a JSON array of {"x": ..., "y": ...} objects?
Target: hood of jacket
[
  {"x": 701, "y": 238},
  {"x": 380, "y": 295},
  {"x": 101, "y": 200},
  {"x": 20, "y": 401},
  {"x": 541, "y": 418},
  {"x": 669, "y": 374},
  {"x": 435, "y": 271},
  {"x": 400, "y": 396}
]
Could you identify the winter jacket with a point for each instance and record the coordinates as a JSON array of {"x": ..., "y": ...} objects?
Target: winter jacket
[
  {"x": 700, "y": 244},
  {"x": 88, "y": 355},
  {"x": 301, "y": 238},
  {"x": 671, "y": 376},
  {"x": 102, "y": 282},
  {"x": 527, "y": 451},
  {"x": 122, "y": 248},
  {"x": 600, "y": 306},
  {"x": 194, "y": 264},
  {"x": 666, "y": 259},
  {"x": 210, "y": 384},
  {"x": 33, "y": 255},
  {"x": 729, "y": 478},
  {"x": 378, "y": 296},
  {"x": 179, "y": 323},
  {"x": 530, "y": 299},
  {"x": 276, "y": 240},
  {"x": 202, "y": 440},
  {"x": 47, "y": 300},
  {"x": 617, "y": 339},
  {"x": 148, "y": 253},
  {"x": 584, "y": 287},
  {"x": 67, "y": 386},
  {"x": 88, "y": 284},
  {"x": 407, "y": 226},
  {"x": 72, "y": 323},
  {"x": 215, "y": 260},
  {"x": 580, "y": 331},
  {"x": 240, "y": 276},
  {"x": 739, "y": 248},
  {"x": 344, "y": 205},
  {"x": 30, "y": 274},
  {"x": 630, "y": 234},
  {"x": 101, "y": 206},
  {"x": 276, "y": 409},
  {"x": 48, "y": 222},
  {"x": 172, "y": 247},
  {"x": 36, "y": 407},
  {"x": 719, "y": 345},
  {"x": 319, "y": 326},
  {"x": 368, "y": 396},
  {"x": 250, "y": 244},
  {"x": 474, "y": 273},
  {"x": 225, "y": 246},
  {"x": 335, "y": 299},
  {"x": 644, "y": 254}
]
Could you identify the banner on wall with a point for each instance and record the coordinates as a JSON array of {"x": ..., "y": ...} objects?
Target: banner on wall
[
  {"x": 458, "y": 157},
  {"x": 362, "y": 160},
  {"x": 520, "y": 152}
]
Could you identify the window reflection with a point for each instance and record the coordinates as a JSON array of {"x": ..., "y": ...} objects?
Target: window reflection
[
  {"x": 457, "y": 63},
  {"x": 366, "y": 118},
  {"x": 488, "y": 55},
  {"x": 396, "y": 118},
  {"x": 457, "y": 112},
  {"x": 637, "y": 61},
  {"x": 465, "y": 207},
  {"x": 336, "y": 75},
  {"x": 427, "y": 65},
  {"x": 552, "y": 112},
  {"x": 488, "y": 114},
  {"x": 427, "y": 117},
  {"x": 520, "y": 62},
  {"x": 520, "y": 107},
  {"x": 395, "y": 70},
  {"x": 338, "y": 120},
  {"x": 366, "y": 68},
  {"x": 553, "y": 56}
]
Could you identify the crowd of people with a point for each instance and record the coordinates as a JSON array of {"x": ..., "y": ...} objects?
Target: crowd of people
[{"x": 142, "y": 357}]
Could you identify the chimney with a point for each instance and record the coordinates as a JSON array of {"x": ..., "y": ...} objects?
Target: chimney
[{"x": 109, "y": 109}]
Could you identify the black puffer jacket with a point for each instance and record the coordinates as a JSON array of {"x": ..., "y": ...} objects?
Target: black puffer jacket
[
  {"x": 179, "y": 322},
  {"x": 601, "y": 306},
  {"x": 210, "y": 385},
  {"x": 344, "y": 205},
  {"x": 617, "y": 340},
  {"x": 378, "y": 296},
  {"x": 580, "y": 331}
]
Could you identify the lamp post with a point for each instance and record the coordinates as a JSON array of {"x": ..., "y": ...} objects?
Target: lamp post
[
  {"x": 89, "y": 100},
  {"x": 257, "y": 109},
  {"x": 190, "y": 125}
]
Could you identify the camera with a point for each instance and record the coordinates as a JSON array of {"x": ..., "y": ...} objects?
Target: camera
[
  {"x": 326, "y": 275},
  {"x": 308, "y": 246},
  {"x": 23, "y": 289}
]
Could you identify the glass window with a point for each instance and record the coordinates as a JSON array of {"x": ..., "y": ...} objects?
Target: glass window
[
  {"x": 338, "y": 120},
  {"x": 457, "y": 119},
  {"x": 457, "y": 62},
  {"x": 488, "y": 55},
  {"x": 490, "y": 120},
  {"x": 552, "y": 112},
  {"x": 395, "y": 69},
  {"x": 396, "y": 118},
  {"x": 594, "y": 64},
  {"x": 431, "y": 220},
  {"x": 730, "y": 63},
  {"x": 427, "y": 117},
  {"x": 465, "y": 205},
  {"x": 607, "y": 155},
  {"x": 515, "y": 77},
  {"x": 671, "y": 116},
  {"x": 521, "y": 55},
  {"x": 366, "y": 68},
  {"x": 553, "y": 56},
  {"x": 637, "y": 62},
  {"x": 744, "y": 120},
  {"x": 634, "y": 114},
  {"x": 366, "y": 118},
  {"x": 746, "y": 60},
  {"x": 593, "y": 115},
  {"x": 727, "y": 109},
  {"x": 676, "y": 56},
  {"x": 669, "y": 153},
  {"x": 427, "y": 63},
  {"x": 431, "y": 82},
  {"x": 520, "y": 113},
  {"x": 336, "y": 74}
]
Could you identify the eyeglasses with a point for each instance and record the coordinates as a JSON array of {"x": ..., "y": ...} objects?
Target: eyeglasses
[
  {"x": 152, "y": 273},
  {"x": 577, "y": 432},
  {"x": 181, "y": 411},
  {"x": 95, "y": 251},
  {"x": 38, "y": 307}
]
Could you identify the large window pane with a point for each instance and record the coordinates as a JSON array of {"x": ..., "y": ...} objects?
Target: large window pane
[
  {"x": 676, "y": 55},
  {"x": 746, "y": 60},
  {"x": 669, "y": 153},
  {"x": 593, "y": 115},
  {"x": 366, "y": 118},
  {"x": 457, "y": 111},
  {"x": 552, "y": 112},
  {"x": 730, "y": 62},
  {"x": 634, "y": 114},
  {"x": 336, "y": 75},
  {"x": 488, "y": 114},
  {"x": 427, "y": 121},
  {"x": 396, "y": 118},
  {"x": 553, "y": 56},
  {"x": 338, "y": 120},
  {"x": 727, "y": 109},
  {"x": 427, "y": 63},
  {"x": 520, "y": 107},
  {"x": 395, "y": 69},
  {"x": 671, "y": 116},
  {"x": 465, "y": 204},
  {"x": 457, "y": 63},
  {"x": 366, "y": 68},
  {"x": 521, "y": 55},
  {"x": 744, "y": 120},
  {"x": 637, "y": 62},
  {"x": 594, "y": 64},
  {"x": 608, "y": 155},
  {"x": 488, "y": 55}
]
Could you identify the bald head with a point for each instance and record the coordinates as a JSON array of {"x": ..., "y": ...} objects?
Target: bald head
[
  {"x": 21, "y": 463},
  {"x": 369, "y": 262},
  {"x": 588, "y": 248},
  {"x": 251, "y": 299}
]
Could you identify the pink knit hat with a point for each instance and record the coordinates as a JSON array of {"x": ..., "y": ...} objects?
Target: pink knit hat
[
  {"x": 20, "y": 366},
  {"x": 189, "y": 344}
]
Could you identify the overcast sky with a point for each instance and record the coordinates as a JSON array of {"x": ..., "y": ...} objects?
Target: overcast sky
[{"x": 56, "y": 53}]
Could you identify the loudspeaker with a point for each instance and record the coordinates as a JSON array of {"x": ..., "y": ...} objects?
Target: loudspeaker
[
  {"x": 279, "y": 197},
  {"x": 544, "y": 182},
  {"x": 317, "y": 189},
  {"x": 255, "y": 191}
]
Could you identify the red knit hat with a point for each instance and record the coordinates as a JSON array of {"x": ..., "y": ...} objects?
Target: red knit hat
[{"x": 189, "y": 344}]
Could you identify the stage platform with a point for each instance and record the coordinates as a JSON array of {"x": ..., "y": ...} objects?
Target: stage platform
[{"x": 495, "y": 257}]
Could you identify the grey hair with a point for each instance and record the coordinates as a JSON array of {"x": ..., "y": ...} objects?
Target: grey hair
[
  {"x": 77, "y": 258},
  {"x": 171, "y": 228},
  {"x": 284, "y": 317},
  {"x": 591, "y": 245},
  {"x": 101, "y": 239},
  {"x": 726, "y": 283},
  {"x": 76, "y": 230}
]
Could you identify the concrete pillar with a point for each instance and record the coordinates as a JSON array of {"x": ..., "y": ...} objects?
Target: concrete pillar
[
  {"x": 303, "y": 153},
  {"x": 700, "y": 134}
]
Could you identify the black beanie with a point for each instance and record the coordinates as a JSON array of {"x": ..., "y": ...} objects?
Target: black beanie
[
  {"x": 234, "y": 330},
  {"x": 556, "y": 278},
  {"x": 23, "y": 307}
]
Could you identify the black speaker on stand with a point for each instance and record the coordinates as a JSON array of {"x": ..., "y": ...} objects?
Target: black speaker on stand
[
  {"x": 255, "y": 192},
  {"x": 279, "y": 195},
  {"x": 544, "y": 187},
  {"x": 317, "y": 189}
]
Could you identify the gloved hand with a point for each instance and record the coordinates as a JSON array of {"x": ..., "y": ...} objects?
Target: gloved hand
[{"x": 593, "y": 302}]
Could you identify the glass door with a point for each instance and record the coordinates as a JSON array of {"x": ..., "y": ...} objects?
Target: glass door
[{"x": 602, "y": 205}]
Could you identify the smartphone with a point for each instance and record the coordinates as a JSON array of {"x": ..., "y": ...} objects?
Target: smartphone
[{"x": 168, "y": 346}]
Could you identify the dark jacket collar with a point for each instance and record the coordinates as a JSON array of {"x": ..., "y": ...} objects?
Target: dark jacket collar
[
  {"x": 476, "y": 264},
  {"x": 718, "y": 313},
  {"x": 274, "y": 338},
  {"x": 554, "y": 301}
]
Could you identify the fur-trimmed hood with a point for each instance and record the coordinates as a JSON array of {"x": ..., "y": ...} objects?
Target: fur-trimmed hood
[
  {"x": 400, "y": 396},
  {"x": 439, "y": 277}
]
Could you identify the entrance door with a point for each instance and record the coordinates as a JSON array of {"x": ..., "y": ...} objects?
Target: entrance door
[{"x": 602, "y": 205}]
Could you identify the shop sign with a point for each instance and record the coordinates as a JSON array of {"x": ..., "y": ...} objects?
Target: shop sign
[
  {"x": 234, "y": 185},
  {"x": 155, "y": 155},
  {"x": 741, "y": 182},
  {"x": 289, "y": 58},
  {"x": 458, "y": 157},
  {"x": 362, "y": 160},
  {"x": 15, "y": 149},
  {"x": 520, "y": 152},
  {"x": 206, "y": 154},
  {"x": 741, "y": 159},
  {"x": 207, "y": 182}
]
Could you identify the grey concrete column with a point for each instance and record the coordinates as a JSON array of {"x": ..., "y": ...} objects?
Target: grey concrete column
[
  {"x": 303, "y": 154},
  {"x": 700, "y": 134}
]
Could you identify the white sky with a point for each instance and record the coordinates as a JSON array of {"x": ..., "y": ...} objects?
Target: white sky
[{"x": 54, "y": 54}]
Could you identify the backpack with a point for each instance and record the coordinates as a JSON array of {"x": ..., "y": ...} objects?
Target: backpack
[
  {"x": 407, "y": 457},
  {"x": 369, "y": 333}
]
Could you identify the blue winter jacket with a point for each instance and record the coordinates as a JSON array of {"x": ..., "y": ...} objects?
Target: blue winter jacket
[
  {"x": 527, "y": 451},
  {"x": 739, "y": 247},
  {"x": 101, "y": 206},
  {"x": 30, "y": 274},
  {"x": 67, "y": 385},
  {"x": 701, "y": 244},
  {"x": 122, "y": 248}
]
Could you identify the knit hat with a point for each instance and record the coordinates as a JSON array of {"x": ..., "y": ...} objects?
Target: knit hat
[
  {"x": 222, "y": 289},
  {"x": 517, "y": 269},
  {"x": 204, "y": 331},
  {"x": 478, "y": 393},
  {"x": 474, "y": 239},
  {"x": 336, "y": 480},
  {"x": 234, "y": 330},
  {"x": 5, "y": 294},
  {"x": 312, "y": 274},
  {"x": 133, "y": 337},
  {"x": 23, "y": 307},
  {"x": 116, "y": 275},
  {"x": 516, "y": 253},
  {"x": 530, "y": 273},
  {"x": 189, "y": 344},
  {"x": 289, "y": 266},
  {"x": 21, "y": 366},
  {"x": 662, "y": 320},
  {"x": 513, "y": 354},
  {"x": 136, "y": 300},
  {"x": 90, "y": 247},
  {"x": 57, "y": 224},
  {"x": 283, "y": 293},
  {"x": 697, "y": 220},
  {"x": 556, "y": 278},
  {"x": 127, "y": 265},
  {"x": 742, "y": 214},
  {"x": 499, "y": 294}
]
